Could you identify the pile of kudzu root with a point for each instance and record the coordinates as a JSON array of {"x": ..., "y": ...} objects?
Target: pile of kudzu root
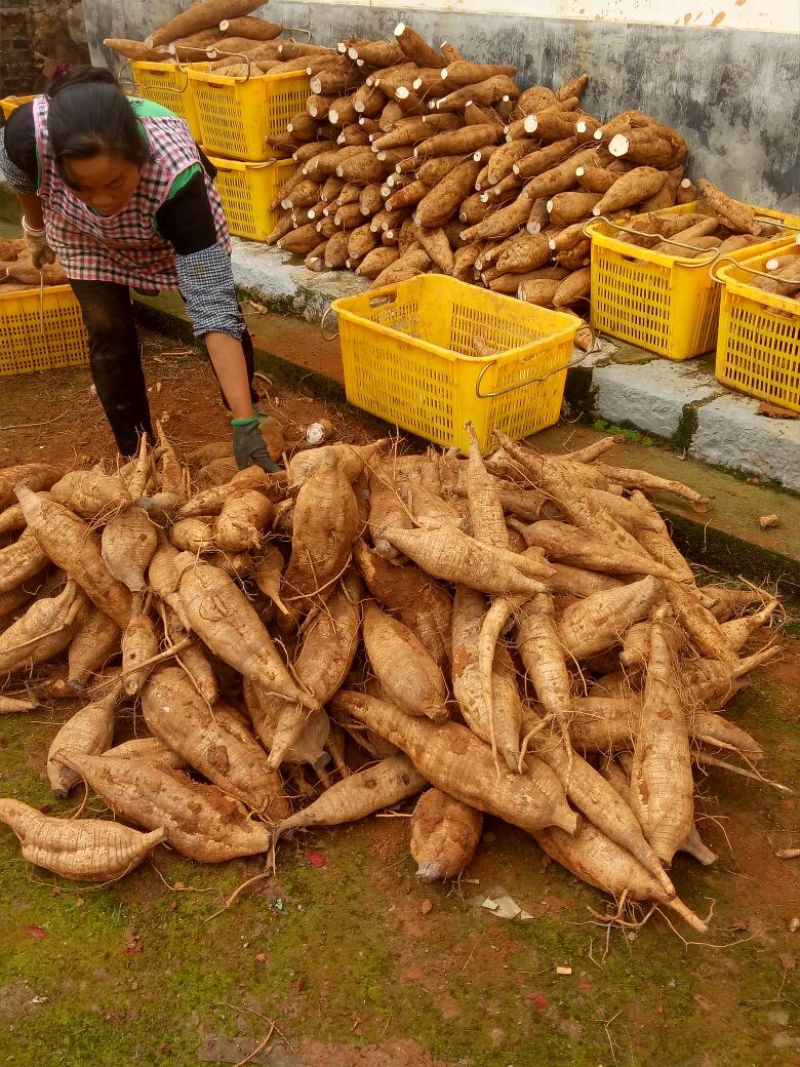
[
  {"x": 413, "y": 159},
  {"x": 512, "y": 633}
]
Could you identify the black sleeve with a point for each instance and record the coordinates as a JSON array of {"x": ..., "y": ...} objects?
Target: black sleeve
[
  {"x": 20, "y": 141},
  {"x": 208, "y": 166},
  {"x": 186, "y": 221}
]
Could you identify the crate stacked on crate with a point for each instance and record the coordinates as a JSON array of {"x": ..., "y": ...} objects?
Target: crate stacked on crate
[
  {"x": 758, "y": 347},
  {"x": 237, "y": 85},
  {"x": 167, "y": 83},
  {"x": 651, "y": 280}
]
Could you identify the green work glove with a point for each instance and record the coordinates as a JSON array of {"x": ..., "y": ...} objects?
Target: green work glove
[
  {"x": 36, "y": 241},
  {"x": 249, "y": 446}
]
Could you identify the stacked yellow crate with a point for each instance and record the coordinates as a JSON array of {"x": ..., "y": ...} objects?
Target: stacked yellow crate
[
  {"x": 758, "y": 348},
  {"x": 238, "y": 120},
  {"x": 168, "y": 84}
]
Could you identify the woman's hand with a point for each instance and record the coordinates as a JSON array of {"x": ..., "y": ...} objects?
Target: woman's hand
[
  {"x": 230, "y": 366},
  {"x": 36, "y": 241},
  {"x": 249, "y": 445}
]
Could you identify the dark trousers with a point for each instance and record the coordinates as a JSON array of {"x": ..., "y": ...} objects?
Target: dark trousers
[{"x": 116, "y": 361}]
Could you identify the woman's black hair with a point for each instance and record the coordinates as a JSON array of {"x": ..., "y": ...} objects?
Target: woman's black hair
[{"x": 89, "y": 115}]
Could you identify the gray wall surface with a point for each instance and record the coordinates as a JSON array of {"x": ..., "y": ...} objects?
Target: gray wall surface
[{"x": 733, "y": 94}]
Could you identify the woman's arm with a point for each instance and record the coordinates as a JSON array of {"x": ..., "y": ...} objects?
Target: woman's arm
[
  {"x": 19, "y": 161},
  {"x": 19, "y": 166},
  {"x": 31, "y": 210},
  {"x": 227, "y": 359},
  {"x": 206, "y": 282}
]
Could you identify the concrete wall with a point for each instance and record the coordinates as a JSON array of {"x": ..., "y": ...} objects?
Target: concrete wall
[
  {"x": 35, "y": 36},
  {"x": 19, "y": 72},
  {"x": 733, "y": 93},
  {"x": 776, "y": 16}
]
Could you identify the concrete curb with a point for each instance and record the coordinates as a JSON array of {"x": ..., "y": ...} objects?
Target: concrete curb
[
  {"x": 684, "y": 404},
  {"x": 278, "y": 280}
]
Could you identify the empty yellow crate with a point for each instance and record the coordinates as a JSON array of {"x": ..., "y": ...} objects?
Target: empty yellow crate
[
  {"x": 415, "y": 354},
  {"x": 168, "y": 84},
  {"x": 247, "y": 190},
  {"x": 239, "y": 117},
  {"x": 41, "y": 331},
  {"x": 758, "y": 349},
  {"x": 11, "y": 103},
  {"x": 664, "y": 303}
]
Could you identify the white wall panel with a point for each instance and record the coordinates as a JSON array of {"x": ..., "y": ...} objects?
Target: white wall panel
[{"x": 780, "y": 16}]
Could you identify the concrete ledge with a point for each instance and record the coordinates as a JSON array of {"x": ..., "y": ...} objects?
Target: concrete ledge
[
  {"x": 280, "y": 281},
  {"x": 684, "y": 404},
  {"x": 652, "y": 396},
  {"x": 730, "y": 433}
]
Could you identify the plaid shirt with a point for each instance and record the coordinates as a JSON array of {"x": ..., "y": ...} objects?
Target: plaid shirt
[{"x": 125, "y": 248}]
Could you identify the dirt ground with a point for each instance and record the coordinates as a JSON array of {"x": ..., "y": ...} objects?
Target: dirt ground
[
  {"x": 58, "y": 413},
  {"x": 343, "y": 957}
]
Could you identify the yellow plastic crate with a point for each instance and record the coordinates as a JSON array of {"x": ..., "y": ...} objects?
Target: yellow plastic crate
[
  {"x": 666, "y": 304},
  {"x": 11, "y": 103},
  {"x": 247, "y": 190},
  {"x": 239, "y": 117},
  {"x": 41, "y": 331},
  {"x": 168, "y": 84},
  {"x": 411, "y": 355},
  {"x": 758, "y": 349}
]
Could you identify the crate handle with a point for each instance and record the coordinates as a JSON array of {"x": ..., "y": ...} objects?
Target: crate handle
[
  {"x": 740, "y": 266},
  {"x": 299, "y": 29},
  {"x": 696, "y": 262},
  {"x": 615, "y": 225},
  {"x": 383, "y": 299},
  {"x": 184, "y": 71},
  {"x": 655, "y": 236},
  {"x": 127, "y": 79},
  {"x": 236, "y": 78},
  {"x": 189, "y": 48},
  {"x": 335, "y": 333},
  {"x": 530, "y": 381},
  {"x": 220, "y": 164},
  {"x": 587, "y": 232},
  {"x": 721, "y": 261},
  {"x": 781, "y": 225}
]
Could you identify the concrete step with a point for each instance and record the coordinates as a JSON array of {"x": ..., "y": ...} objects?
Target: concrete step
[
  {"x": 281, "y": 282},
  {"x": 727, "y": 538},
  {"x": 684, "y": 404}
]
